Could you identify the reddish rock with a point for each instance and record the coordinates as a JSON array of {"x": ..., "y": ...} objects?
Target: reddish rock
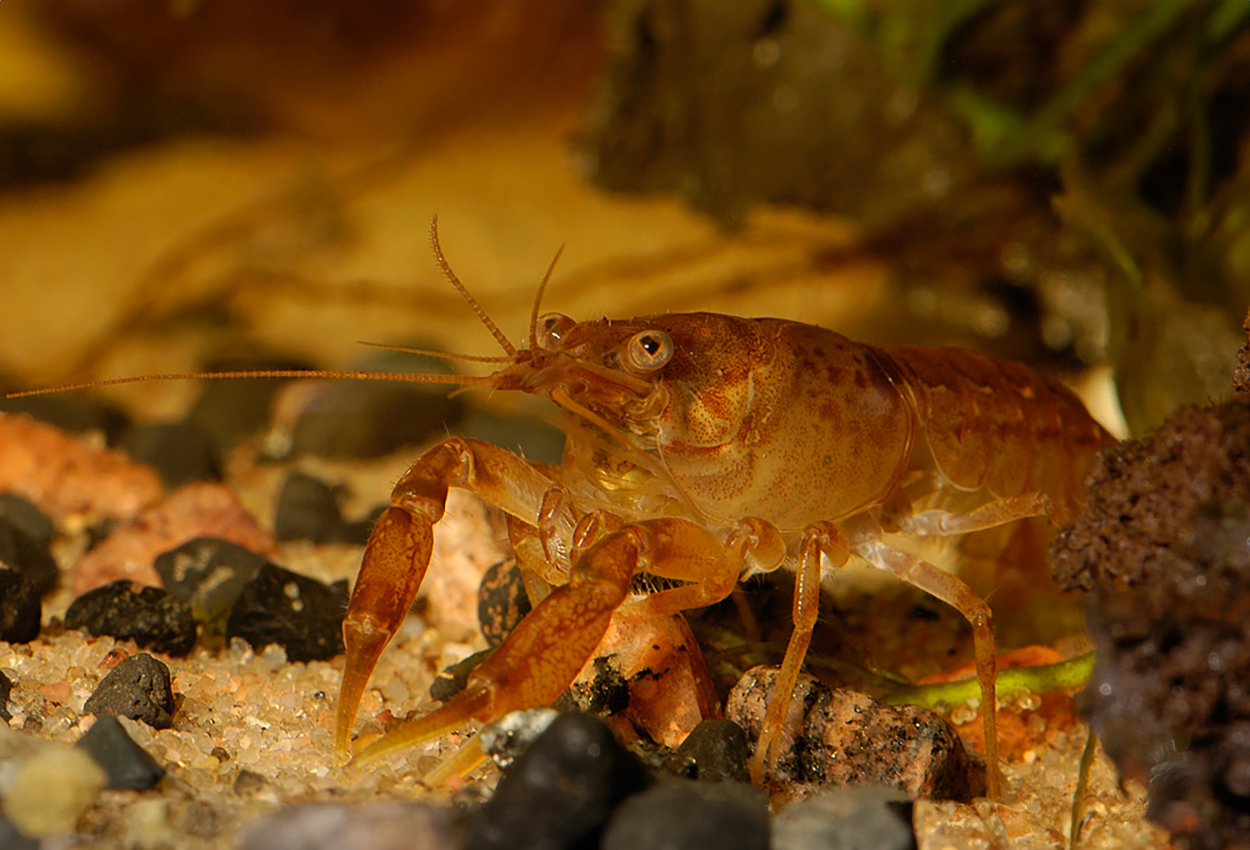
[
  {"x": 197, "y": 510},
  {"x": 66, "y": 475},
  {"x": 842, "y": 739}
]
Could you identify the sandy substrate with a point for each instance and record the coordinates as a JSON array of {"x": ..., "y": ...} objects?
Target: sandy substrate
[{"x": 252, "y": 733}]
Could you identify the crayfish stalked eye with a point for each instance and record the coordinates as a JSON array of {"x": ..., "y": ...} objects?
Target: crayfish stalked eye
[
  {"x": 647, "y": 351},
  {"x": 551, "y": 329}
]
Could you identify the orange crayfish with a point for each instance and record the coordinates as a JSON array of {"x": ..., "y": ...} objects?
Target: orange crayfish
[{"x": 700, "y": 448}]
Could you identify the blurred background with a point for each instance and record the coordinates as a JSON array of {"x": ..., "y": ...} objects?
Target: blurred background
[{"x": 191, "y": 183}]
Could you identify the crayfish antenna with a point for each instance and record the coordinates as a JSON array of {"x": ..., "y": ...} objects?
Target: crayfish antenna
[{"x": 405, "y": 377}]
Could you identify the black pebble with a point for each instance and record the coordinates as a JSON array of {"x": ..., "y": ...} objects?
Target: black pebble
[
  {"x": 308, "y": 509},
  {"x": 150, "y": 616},
  {"x": 561, "y": 791},
  {"x": 100, "y": 530},
  {"x": 714, "y": 751},
  {"x": 28, "y": 555},
  {"x": 356, "y": 532},
  {"x": 208, "y": 574},
  {"x": 181, "y": 452},
  {"x": 300, "y": 614},
  {"x": 6, "y": 687},
  {"x": 359, "y": 420},
  {"x": 501, "y": 601},
  {"x": 454, "y": 677},
  {"x": 138, "y": 688},
  {"x": 20, "y": 609},
  {"x": 128, "y": 765},
  {"x": 26, "y": 516},
  {"x": 232, "y": 410},
  {"x": 676, "y": 814}
]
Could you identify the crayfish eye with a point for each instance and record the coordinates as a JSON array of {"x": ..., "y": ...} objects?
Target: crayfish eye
[
  {"x": 647, "y": 351},
  {"x": 551, "y": 329}
]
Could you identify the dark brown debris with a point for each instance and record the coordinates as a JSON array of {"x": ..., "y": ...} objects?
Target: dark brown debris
[{"x": 1164, "y": 543}]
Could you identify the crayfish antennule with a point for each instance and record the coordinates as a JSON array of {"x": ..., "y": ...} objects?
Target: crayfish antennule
[
  {"x": 538, "y": 299},
  {"x": 486, "y": 320}
]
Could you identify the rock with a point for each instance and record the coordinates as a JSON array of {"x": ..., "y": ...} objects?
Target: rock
[
  {"x": 343, "y": 826},
  {"x": 308, "y": 509},
  {"x": 25, "y": 516},
  {"x": 208, "y": 573},
  {"x": 716, "y": 751},
  {"x": 181, "y": 452},
  {"x": 128, "y": 766},
  {"x": 452, "y": 679},
  {"x": 6, "y": 687},
  {"x": 28, "y": 555},
  {"x": 51, "y": 789},
  {"x": 148, "y": 824},
  {"x": 647, "y": 671},
  {"x": 507, "y": 738},
  {"x": 248, "y": 782},
  {"x": 67, "y": 475},
  {"x": 74, "y": 415},
  {"x": 138, "y": 688},
  {"x": 300, "y": 614},
  {"x": 560, "y": 793},
  {"x": 200, "y": 509},
  {"x": 359, "y": 419},
  {"x": 20, "y": 609},
  {"x": 12, "y": 838},
  {"x": 501, "y": 601},
  {"x": 847, "y": 739},
  {"x": 150, "y": 616},
  {"x": 847, "y": 819},
  {"x": 1162, "y": 544},
  {"x": 676, "y": 814},
  {"x": 232, "y": 410}
]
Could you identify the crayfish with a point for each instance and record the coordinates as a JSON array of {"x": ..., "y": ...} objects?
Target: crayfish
[{"x": 703, "y": 447}]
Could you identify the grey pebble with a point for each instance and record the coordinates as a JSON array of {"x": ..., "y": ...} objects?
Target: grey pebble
[
  {"x": 138, "y": 688},
  {"x": 128, "y": 765},
  {"x": 676, "y": 814},
  {"x": 850, "y": 819}
]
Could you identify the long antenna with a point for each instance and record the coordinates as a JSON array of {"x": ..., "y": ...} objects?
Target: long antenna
[
  {"x": 410, "y": 377},
  {"x": 460, "y": 287}
]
